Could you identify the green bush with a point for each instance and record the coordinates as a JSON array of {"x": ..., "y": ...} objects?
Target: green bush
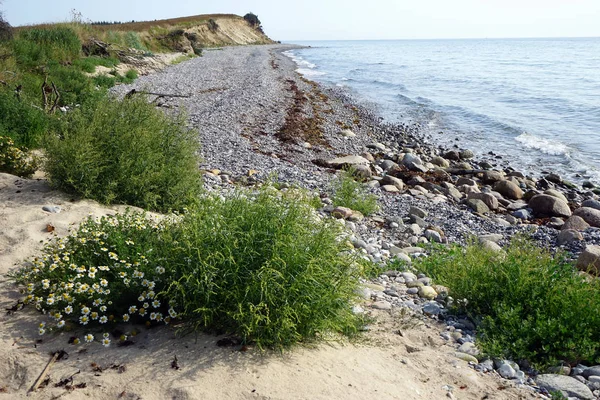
[
  {"x": 108, "y": 271},
  {"x": 125, "y": 152},
  {"x": 132, "y": 40},
  {"x": 14, "y": 160},
  {"x": 352, "y": 194},
  {"x": 36, "y": 46},
  {"x": 261, "y": 265},
  {"x": 89, "y": 64},
  {"x": 533, "y": 305},
  {"x": 104, "y": 81},
  {"x": 265, "y": 267},
  {"x": 25, "y": 124}
]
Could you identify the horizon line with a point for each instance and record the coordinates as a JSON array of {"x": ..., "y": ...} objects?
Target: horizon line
[{"x": 452, "y": 38}]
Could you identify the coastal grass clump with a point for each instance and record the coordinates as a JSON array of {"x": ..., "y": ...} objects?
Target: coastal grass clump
[
  {"x": 108, "y": 271},
  {"x": 126, "y": 152},
  {"x": 347, "y": 192},
  {"x": 532, "y": 305},
  {"x": 15, "y": 160},
  {"x": 24, "y": 124},
  {"x": 261, "y": 265}
]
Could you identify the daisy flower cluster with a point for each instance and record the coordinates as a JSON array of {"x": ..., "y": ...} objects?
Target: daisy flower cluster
[{"x": 108, "y": 271}]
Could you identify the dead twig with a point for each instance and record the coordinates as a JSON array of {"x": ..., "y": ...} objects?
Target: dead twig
[
  {"x": 134, "y": 92},
  {"x": 44, "y": 373}
]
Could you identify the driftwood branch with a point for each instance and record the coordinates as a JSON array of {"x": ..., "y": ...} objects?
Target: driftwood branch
[
  {"x": 134, "y": 92},
  {"x": 56, "y": 98},
  {"x": 44, "y": 373}
]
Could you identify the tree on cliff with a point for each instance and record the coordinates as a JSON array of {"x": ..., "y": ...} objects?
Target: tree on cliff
[
  {"x": 253, "y": 20},
  {"x": 5, "y": 28}
]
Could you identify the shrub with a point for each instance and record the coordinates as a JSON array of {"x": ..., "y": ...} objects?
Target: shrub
[
  {"x": 260, "y": 264},
  {"x": 104, "y": 81},
  {"x": 36, "y": 46},
  {"x": 264, "y": 266},
  {"x": 252, "y": 19},
  {"x": 125, "y": 152},
  {"x": 212, "y": 25},
  {"x": 108, "y": 271},
  {"x": 533, "y": 305},
  {"x": 132, "y": 40},
  {"x": 352, "y": 194},
  {"x": 25, "y": 124},
  {"x": 6, "y": 32},
  {"x": 14, "y": 160}
]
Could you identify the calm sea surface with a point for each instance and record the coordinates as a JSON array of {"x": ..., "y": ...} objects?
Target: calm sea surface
[{"x": 534, "y": 101}]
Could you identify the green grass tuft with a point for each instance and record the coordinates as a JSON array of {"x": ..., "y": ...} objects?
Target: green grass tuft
[
  {"x": 352, "y": 194},
  {"x": 532, "y": 305}
]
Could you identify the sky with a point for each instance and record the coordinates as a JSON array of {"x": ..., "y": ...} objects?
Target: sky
[{"x": 346, "y": 19}]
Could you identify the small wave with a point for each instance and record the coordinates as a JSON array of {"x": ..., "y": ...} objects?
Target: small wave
[
  {"x": 551, "y": 147},
  {"x": 309, "y": 72},
  {"x": 301, "y": 62}
]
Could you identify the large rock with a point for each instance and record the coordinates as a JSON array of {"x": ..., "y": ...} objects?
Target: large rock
[
  {"x": 556, "y": 193},
  {"x": 567, "y": 236},
  {"x": 591, "y": 203},
  {"x": 549, "y": 206},
  {"x": 489, "y": 199},
  {"x": 576, "y": 223},
  {"x": 571, "y": 386},
  {"x": 478, "y": 206},
  {"x": 348, "y": 161},
  {"x": 589, "y": 259},
  {"x": 591, "y": 371},
  {"x": 391, "y": 180},
  {"x": 492, "y": 176},
  {"x": 589, "y": 215},
  {"x": 440, "y": 162},
  {"x": 509, "y": 190}
]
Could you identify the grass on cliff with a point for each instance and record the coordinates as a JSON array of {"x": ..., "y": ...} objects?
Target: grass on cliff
[
  {"x": 261, "y": 265},
  {"x": 126, "y": 152},
  {"x": 532, "y": 305}
]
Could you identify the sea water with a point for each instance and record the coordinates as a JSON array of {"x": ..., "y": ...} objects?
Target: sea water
[{"x": 535, "y": 102}]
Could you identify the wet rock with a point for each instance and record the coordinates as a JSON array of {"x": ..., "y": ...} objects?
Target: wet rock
[
  {"x": 549, "y": 206},
  {"x": 567, "y": 384},
  {"x": 589, "y": 259},
  {"x": 509, "y": 190},
  {"x": 589, "y": 215}
]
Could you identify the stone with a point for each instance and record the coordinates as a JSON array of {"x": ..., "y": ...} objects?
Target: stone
[
  {"x": 492, "y": 237},
  {"x": 556, "y": 193},
  {"x": 403, "y": 257},
  {"x": 554, "y": 178},
  {"x": 465, "y": 357},
  {"x": 382, "y": 305},
  {"x": 466, "y": 155},
  {"x": 387, "y": 165},
  {"x": 589, "y": 215},
  {"x": 544, "y": 205},
  {"x": 427, "y": 292},
  {"x": 516, "y": 205},
  {"x": 356, "y": 216},
  {"x": 348, "y": 161},
  {"x": 465, "y": 181},
  {"x": 509, "y": 190},
  {"x": 432, "y": 308},
  {"x": 469, "y": 348},
  {"x": 523, "y": 214},
  {"x": 414, "y": 284},
  {"x": 390, "y": 189},
  {"x": 452, "y": 155},
  {"x": 489, "y": 245},
  {"x": 507, "y": 372},
  {"x": 417, "y": 211},
  {"x": 52, "y": 209},
  {"x": 478, "y": 206},
  {"x": 341, "y": 212},
  {"x": 591, "y": 203},
  {"x": 362, "y": 172},
  {"x": 567, "y": 236},
  {"x": 589, "y": 259},
  {"x": 391, "y": 180},
  {"x": 591, "y": 371},
  {"x": 489, "y": 199},
  {"x": 575, "y": 222},
  {"x": 433, "y": 236},
  {"x": 567, "y": 384},
  {"x": 492, "y": 176},
  {"x": 440, "y": 162},
  {"x": 348, "y": 133}
]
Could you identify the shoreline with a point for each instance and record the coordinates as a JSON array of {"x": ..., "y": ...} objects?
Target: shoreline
[{"x": 249, "y": 106}]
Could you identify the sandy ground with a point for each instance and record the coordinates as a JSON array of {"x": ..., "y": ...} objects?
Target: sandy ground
[{"x": 399, "y": 358}]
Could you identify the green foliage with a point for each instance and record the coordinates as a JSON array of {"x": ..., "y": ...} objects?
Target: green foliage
[
  {"x": 533, "y": 305},
  {"x": 132, "y": 40},
  {"x": 352, "y": 194},
  {"x": 105, "y": 81},
  {"x": 89, "y": 64},
  {"x": 264, "y": 266},
  {"x": 14, "y": 160},
  {"x": 125, "y": 152},
  {"x": 108, "y": 271},
  {"x": 19, "y": 120},
  {"x": 260, "y": 264},
  {"x": 6, "y": 32},
  {"x": 36, "y": 46},
  {"x": 252, "y": 19}
]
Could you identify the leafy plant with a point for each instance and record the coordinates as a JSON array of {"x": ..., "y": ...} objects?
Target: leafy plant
[
  {"x": 14, "y": 160},
  {"x": 36, "y": 46},
  {"x": 352, "y": 194},
  {"x": 125, "y": 152},
  {"x": 264, "y": 266},
  {"x": 532, "y": 305}
]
